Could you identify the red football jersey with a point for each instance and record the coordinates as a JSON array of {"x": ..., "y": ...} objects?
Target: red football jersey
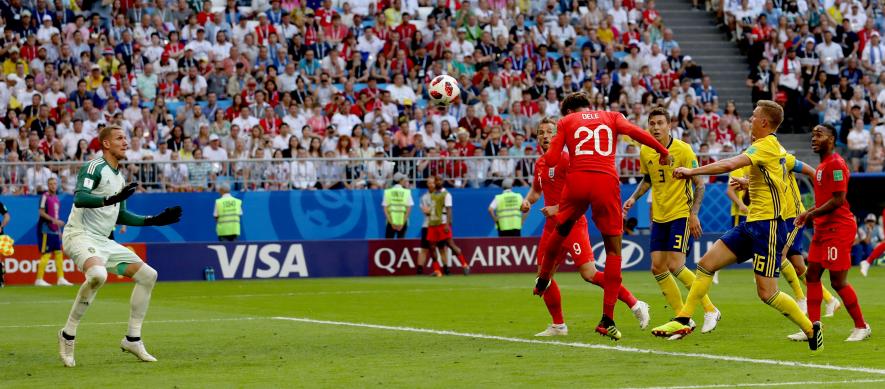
[
  {"x": 551, "y": 179},
  {"x": 832, "y": 176},
  {"x": 592, "y": 140}
]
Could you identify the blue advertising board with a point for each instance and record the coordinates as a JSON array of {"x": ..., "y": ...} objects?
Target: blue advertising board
[{"x": 323, "y": 215}]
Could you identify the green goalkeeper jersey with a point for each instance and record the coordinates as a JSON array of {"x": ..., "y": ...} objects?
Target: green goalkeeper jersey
[{"x": 97, "y": 178}]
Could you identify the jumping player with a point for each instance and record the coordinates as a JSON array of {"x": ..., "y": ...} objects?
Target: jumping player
[
  {"x": 100, "y": 204},
  {"x": 834, "y": 230},
  {"x": 762, "y": 237},
  {"x": 675, "y": 208},
  {"x": 49, "y": 232},
  {"x": 592, "y": 182},
  {"x": 548, "y": 182}
]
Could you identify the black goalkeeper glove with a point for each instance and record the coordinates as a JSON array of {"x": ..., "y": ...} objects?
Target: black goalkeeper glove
[
  {"x": 168, "y": 216},
  {"x": 124, "y": 194}
]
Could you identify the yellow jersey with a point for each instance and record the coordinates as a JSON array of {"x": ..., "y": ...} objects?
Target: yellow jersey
[
  {"x": 671, "y": 198},
  {"x": 768, "y": 179},
  {"x": 740, "y": 173},
  {"x": 793, "y": 205}
]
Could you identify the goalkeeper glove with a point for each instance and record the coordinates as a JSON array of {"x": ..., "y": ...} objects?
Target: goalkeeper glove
[
  {"x": 168, "y": 216},
  {"x": 124, "y": 194}
]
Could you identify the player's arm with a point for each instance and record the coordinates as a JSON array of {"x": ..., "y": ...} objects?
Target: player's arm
[
  {"x": 831, "y": 205},
  {"x": 6, "y": 217},
  {"x": 554, "y": 153},
  {"x": 43, "y": 214},
  {"x": 803, "y": 168},
  {"x": 492, "y": 206},
  {"x": 638, "y": 134},
  {"x": 532, "y": 197},
  {"x": 732, "y": 195},
  {"x": 694, "y": 223},
  {"x": 640, "y": 191},
  {"x": 718, "y": 167},
  {"x": 167, "y": 216},
  {"x": 87, "y": 181}
]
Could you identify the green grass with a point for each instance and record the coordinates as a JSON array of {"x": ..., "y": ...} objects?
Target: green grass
[{"x": 263, "y": 352}]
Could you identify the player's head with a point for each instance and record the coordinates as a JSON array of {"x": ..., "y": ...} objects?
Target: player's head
[
  {"x": 113, "y": 141},
  {"x": 823, "y": 138},
  {"x": 575, "y": 102},
  {"x": 767, "y": 117},
  {"x": 52, "y": 185},
  {"x": 546, "y": 130},
  {"x": 659, "y": 124}
]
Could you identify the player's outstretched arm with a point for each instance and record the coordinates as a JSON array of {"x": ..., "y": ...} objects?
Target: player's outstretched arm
[
  {"x": 803, "y": 168},
  {"x": 638, "y": 134},
  {"x": 718, "y": 167},
  {"x": 694, "y": 222},
  {"x": 532, "y": 197},
  {"x": 167, "y": 216}
]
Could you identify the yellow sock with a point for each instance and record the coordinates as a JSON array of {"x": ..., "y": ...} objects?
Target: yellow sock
[
  {"x": 789, "y": 273},
  {"x": 41, "y": 268},
  {"x": 827, "y": 295},
  {"x": 699, "y": 288},
  {"x": 787, "y": 306},
  {"x": 59, "y": 264},
  {"x": 687, "y": 279},
  {"x": 670, "y": 290}
]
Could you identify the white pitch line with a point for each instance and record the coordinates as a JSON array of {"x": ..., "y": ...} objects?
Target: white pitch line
[
  {"x": 106, "y": 323},
  {"x": 589, "y": 346},
  {"x": 761, "y": 384}
]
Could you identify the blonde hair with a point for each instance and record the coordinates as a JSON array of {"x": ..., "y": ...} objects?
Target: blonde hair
[{"x": 773, "y": 111}]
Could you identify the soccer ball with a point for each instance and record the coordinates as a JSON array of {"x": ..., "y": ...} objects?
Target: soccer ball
[{"x": 443, "y": 90}]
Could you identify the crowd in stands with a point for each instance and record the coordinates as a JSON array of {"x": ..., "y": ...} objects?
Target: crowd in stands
[
  {"x": 289, "y": 81},
  {"x": 824, "y": 61}
]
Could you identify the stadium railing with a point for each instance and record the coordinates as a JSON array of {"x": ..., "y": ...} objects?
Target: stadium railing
[{"x": 298, "y": 173}]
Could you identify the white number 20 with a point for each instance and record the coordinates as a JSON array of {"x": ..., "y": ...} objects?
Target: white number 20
[{"x": 596, "y": 141}]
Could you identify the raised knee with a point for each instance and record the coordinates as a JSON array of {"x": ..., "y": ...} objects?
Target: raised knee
[
  {"x": 659, "y": 268},
  {"x": 837, "y": 285},
  {"x": 765, "y": 294},
  {"x": 96, "y": 276}
]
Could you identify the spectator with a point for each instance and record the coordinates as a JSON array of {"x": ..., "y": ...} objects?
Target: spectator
[
  {"x": 858, "y": 144},
  {"x": 875, "y": 154}
]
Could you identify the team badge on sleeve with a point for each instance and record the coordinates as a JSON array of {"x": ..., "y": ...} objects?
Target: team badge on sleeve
[{"x": 837, "y": 175}]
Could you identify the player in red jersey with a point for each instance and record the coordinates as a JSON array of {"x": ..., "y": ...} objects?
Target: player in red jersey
[
  {"x": 548, "y": 181},
  {"x": 834, "y": 231},
  {"x": 592, "y": 182},
  {"x": 877, "y": 252}
]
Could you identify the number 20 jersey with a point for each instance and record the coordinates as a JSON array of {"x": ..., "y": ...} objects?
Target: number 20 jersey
[{"x": 592, "y": 140}]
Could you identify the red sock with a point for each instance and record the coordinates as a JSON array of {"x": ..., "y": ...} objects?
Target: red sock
[
  {"x": 623, "y": 293},
  {"x": 849, "y": 298},
  {"x": 877, "y": 252},
  {"x": 612, "y": 285},
  {"x": 435, "y": 265},
  {"x": 552, "y": 255},
  {"x": 554, "y": 302},
  {"x": 462, "y": 259},
  {"x": 815, "y": 295}
]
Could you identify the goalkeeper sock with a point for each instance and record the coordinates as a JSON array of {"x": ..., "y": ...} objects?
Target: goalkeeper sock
[
  {"x": 849, "y": 298},
  {"x": 41, "y": 267},
  {"x": 59, "y": 265},
  {"x": 788, "y": 307},
  {"x": 145, "y": 279},
  {"x": 624, "y": 294},
  {"x": 699, "y": 288},
  {"x": 612, "y": 285},
  {"x": 95, "y": 278},
  {"x": 553, "y": 300},
  {"x": 792, "y": 278},
  {"x": 687, "y": 278},
  {"x": 671, "y": 292},
  {"x": 815, "y": 290}
]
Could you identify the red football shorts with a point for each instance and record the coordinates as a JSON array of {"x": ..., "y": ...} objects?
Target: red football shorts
[
  {"x": 577, "y": 243},
  {"x": 440, "y": 233},
  {"x": 601, "y": 193},
  {"x": 832, "y": 252}
]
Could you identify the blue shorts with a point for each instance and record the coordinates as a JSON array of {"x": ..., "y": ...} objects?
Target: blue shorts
[
  {"x": 737, "y": 220},
  {"x": 671, "y": 236},
  {"x": 762, "y": 241},
  {"x": 49, "y": 243},
  {"x": 795, "y": 239}
]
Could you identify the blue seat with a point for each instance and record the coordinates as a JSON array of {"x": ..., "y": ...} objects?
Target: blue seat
[
  {"x": 339, "y": 86},
  {"x": 620, "y": 54},
  {"x": 225, "y": 103},
  {"x": 580, "y": 40},
  {"x": 554, "y": 55},
  {"x": 368, "y": 23},
  {"x": 359, "y": 86}
]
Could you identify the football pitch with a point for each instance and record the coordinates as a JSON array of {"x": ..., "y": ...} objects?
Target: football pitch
[{"x": 474, "y": 331}]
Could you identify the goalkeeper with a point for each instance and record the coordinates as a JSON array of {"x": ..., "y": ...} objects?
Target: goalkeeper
[{"x": 100, "y": 204}]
